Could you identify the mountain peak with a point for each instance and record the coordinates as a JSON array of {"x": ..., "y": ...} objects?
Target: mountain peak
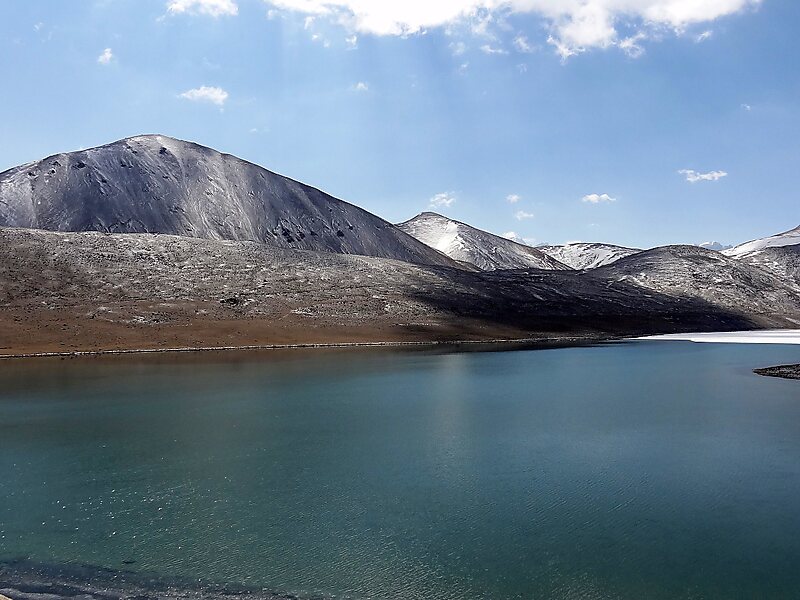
[
  {"x": 482, "y": 249},
  {"x": 158, "y": 184}
]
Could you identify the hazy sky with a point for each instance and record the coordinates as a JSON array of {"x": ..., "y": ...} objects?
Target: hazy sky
[{"x": 639, "y": 122}]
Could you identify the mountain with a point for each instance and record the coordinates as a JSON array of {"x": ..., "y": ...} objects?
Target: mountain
[
  {"x": 693, "y": 272},
  {"x": 781, "y": 261},
  {"x": 581, "y": 255},
  {"x": 788, "y": 238},
  {"x": 719, "y": 247},
  {"x": 157, "y": 184},
  {"x": 63, "y": 292},
  {"x": 482, "y": 249}
]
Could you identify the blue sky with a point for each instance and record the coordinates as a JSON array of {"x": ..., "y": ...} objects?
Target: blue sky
[{"x": 511, "y": 115}]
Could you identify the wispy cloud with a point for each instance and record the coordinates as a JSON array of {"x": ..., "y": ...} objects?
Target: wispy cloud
[
  {"x": 521, "y": 215},
  {"x": 513, "y": 198},
  {"x": 693, "y": 176},
  {"x": 361, "y": 86},
  {"x": 489, "y": 49},
  {"x": 443, "y": 200},
  {"x": 213, "y": 95},
  {"x": 458, "y": 48},
  {"x": 632, "y": 45},
  {"x": 598, "y": 199},
  {"x": 703, "y": 36},
  {"x": 522, "y": 44},
  {"x": 106, "y": 56},
  {"x": 212, "y": 8}
]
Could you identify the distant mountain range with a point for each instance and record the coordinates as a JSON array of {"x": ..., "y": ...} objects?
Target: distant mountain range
[{"x": 156, "y": 242}]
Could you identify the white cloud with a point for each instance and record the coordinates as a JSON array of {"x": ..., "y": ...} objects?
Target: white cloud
[
  {"x": 703, "y": 36},
  {"x": 574, "y": 25},
  {"x": 105, "y": 57},
  {"x": 693, "y": 176},
  {"x": 521, "y": 215},
  {"x": 361, "y": 86},
  {"x": 597, "y": 198},
  {"x": 513, "y": 198},
  {"x": 489, "y": 49},
  {"x": 443, "y": 200},
  {"x": 213, "y": 8},
  {"x": 214, "y": 95},
  {"x": 522, "y": 44},
  {"x": 351, "y": 41},
  {"x": 38, "y": 26},
  {"x": 747, "y": 107}
]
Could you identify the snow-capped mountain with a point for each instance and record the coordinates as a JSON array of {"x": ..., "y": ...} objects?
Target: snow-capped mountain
[
  {"x": 719, "y": 247},
  {"x": 787, "y": 238},
  {"x": 157, "y": 184},
  {"x": 482, "y": 249},
  {"x": 580, "y": 255}
]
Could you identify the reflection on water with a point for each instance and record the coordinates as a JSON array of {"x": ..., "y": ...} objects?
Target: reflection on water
[{"x": 655, "y": 470}]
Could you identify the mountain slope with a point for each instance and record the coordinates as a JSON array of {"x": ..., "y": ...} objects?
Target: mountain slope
[
  {"x": 783, "y": 262},
  {"x": 693, "y": 272},
  {"x": 787, "y": 238},
  {"x": 84, "y": 291},
  {"x": 156, "y": 184},
  {"x": 468, "y": 244},
  {"x": 582, "y": 255}
]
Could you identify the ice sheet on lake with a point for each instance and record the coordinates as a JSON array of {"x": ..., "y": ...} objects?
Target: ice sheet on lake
[{"x": 767, "y": 336}]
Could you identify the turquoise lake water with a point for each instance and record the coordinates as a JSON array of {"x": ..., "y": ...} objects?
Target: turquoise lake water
[{"x": 633, "y": 470}]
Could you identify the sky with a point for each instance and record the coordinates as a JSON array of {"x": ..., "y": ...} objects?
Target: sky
[{"x": 636, "y": 122}]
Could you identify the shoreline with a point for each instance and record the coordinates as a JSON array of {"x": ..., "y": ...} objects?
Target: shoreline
[{"x": 532, "y": 342}]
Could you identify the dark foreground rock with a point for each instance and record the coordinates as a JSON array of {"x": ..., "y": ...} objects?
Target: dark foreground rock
[{"x": 783, "y": 371}]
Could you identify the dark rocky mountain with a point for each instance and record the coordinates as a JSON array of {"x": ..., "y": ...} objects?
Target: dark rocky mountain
[
  {"x": 157, "y": 184},
  {"x": 781, "y": 261},
  {"x": 468, "y": 244}
]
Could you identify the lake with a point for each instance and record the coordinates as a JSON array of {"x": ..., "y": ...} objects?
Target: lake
[{"x": 630, "y": 470}]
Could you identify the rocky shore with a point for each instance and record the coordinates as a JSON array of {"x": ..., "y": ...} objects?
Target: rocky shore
[
  {"x": 782, "y": 371},
  {"x": 26, "y": 580}
]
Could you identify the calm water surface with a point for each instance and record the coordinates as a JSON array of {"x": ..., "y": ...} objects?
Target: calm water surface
[{"x": 637, "y": 470}]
